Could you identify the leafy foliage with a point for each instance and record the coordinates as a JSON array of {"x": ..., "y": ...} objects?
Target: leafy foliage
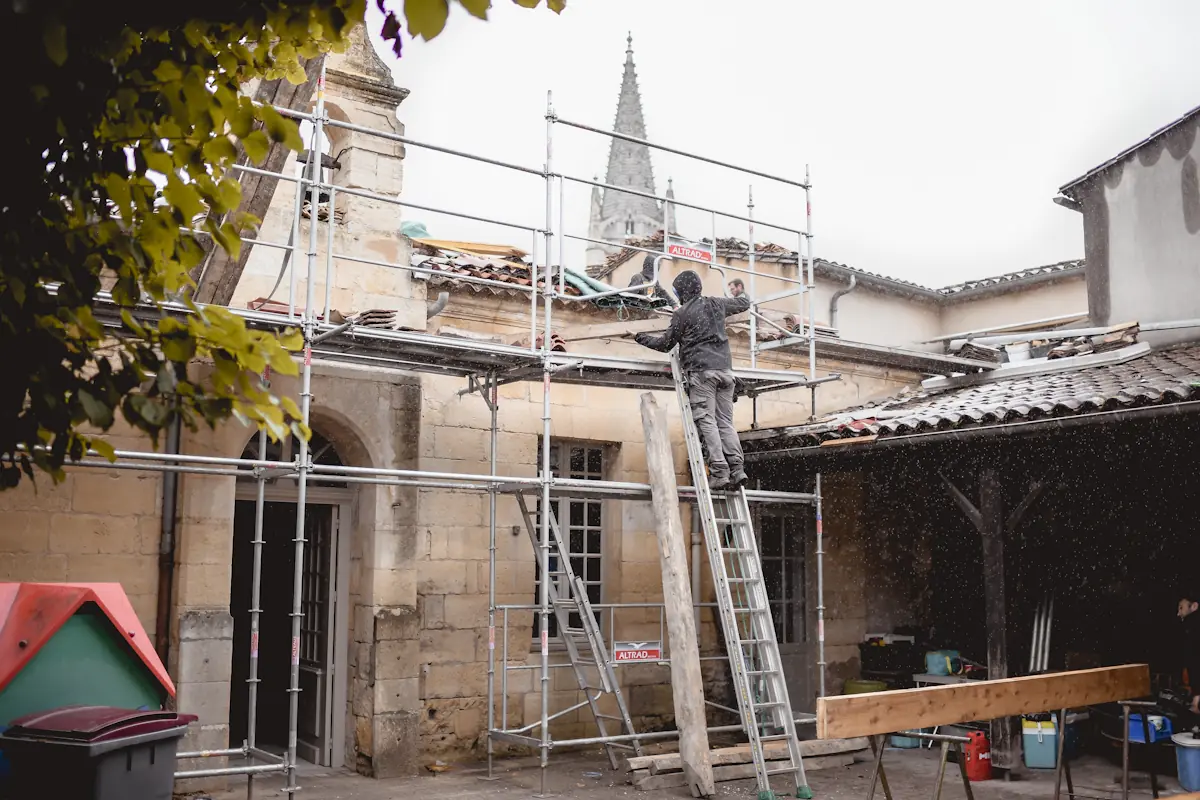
[
  {"x": 427, "y": 18},
  {"x": 125, "y": 121}
]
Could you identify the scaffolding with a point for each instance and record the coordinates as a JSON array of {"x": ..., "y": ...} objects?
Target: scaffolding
[{"x": 484, "y": 366}]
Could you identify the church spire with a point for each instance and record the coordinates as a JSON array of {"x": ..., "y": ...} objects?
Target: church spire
[{"x": 621, "y": 215}]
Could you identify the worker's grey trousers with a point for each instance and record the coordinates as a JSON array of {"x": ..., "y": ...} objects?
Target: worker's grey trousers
[{"x": 710, "y": 393}]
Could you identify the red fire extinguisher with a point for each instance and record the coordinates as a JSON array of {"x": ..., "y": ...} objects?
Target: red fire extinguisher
[{"x": 979, "y": 757}]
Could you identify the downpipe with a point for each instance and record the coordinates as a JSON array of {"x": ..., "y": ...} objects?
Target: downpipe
[{"x": 166, "y": 549}]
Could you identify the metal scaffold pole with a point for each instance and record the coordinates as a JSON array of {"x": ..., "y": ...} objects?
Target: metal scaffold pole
[
  {"x": 753, "y": 317},
  {"x": 820, "y": 592},
  {"x": 546, "y": 474},
  {"x": 302, "y": 457},
  {"x": 491, "y": 397},
  {"x": 256, "y": 605}
]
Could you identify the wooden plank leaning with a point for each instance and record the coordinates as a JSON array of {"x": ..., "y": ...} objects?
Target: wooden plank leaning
[{"x": 687, "y": 682}]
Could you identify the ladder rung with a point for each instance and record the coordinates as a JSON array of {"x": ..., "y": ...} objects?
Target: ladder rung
[
  {"x": 737, "y": 550},
  {"x": 782, "y": 770},
  {"x": 731, "y": 521},
  {"x": 769, "y": 704},
  {"x": 749, "y": 611},
  {"x": 778, "y": 737},
  {"x": 744, "y": 642},
  {"x": 762, "y": 672},
  {"x": 610, "y": 716},
  {"x": 620, "y": 746}
]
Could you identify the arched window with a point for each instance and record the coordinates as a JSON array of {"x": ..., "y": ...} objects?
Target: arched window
[{"x": 320, "y": 449}]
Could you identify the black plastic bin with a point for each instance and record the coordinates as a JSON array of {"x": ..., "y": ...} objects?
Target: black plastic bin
[{"x": 92, "y": 753}]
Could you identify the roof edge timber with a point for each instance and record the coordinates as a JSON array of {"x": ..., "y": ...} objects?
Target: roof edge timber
[{"x": 1068, "y": 188}]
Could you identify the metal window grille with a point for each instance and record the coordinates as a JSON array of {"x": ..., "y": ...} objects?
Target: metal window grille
[
  {"x": 581, "y": 522},
  {"x": 781, "y": 548}
]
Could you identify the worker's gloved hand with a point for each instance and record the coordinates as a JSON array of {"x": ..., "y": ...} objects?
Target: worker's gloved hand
[{"x": 641, "y": 338}]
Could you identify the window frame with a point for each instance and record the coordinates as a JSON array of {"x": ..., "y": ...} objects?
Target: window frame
[
  {"x": 781, "y": 517},
  {"x": 563, "y": 510}
]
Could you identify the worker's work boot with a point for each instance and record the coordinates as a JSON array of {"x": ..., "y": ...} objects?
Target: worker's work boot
[
  {"x": 739, "y": 479},
  {"x": 718, "y": 481}
]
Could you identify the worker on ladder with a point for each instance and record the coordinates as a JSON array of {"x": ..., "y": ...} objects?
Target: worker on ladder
[{"x": 698, "y": 329}]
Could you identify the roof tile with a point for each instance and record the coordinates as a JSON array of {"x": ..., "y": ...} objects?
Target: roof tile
[{"x": 1157, "y": 378}]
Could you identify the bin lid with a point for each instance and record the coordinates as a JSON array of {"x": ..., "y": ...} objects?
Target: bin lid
[
  {"x": 1185, "y": 739},
  {"x": 89, "y": 724}
]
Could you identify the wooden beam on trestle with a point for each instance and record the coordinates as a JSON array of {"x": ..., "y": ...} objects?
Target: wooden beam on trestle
[
  {"x": 989, "y": 519},
  {"x": 854, "y": 715}
]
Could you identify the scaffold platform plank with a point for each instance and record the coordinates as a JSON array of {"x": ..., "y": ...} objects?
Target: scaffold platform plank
[{"x": 447, "y": 355}]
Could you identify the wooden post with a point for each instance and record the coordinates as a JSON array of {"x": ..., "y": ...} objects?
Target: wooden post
[
  {"x": 1005, "y": 745},
  {"x": 988, "y": 518},
  {"x": 687, "y": 683}
]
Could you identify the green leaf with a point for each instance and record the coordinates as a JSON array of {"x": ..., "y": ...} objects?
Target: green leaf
[
  {"x": 229, "y": 194},
  {"x": 168, "y": 71},
  {"x": 104, "y": 448},
  {"x": 241, "y": 121},
  {"x": 281, "y": 129},
  {"x": 157, "y": 160},
  {"x": 220, "y": 150},
  {"x": 257, "y": 145},
  {"x": 292, "y": 339},
  {"x": 557, "y": 6},
  {"x": 426, "y": 18},
  {"x": 184, "y": 197},
  {"x": 152, "y": 411},
  {"x": 55, "y": 40},
  {"x": 477, "y": 8},
  {"x": 118, "y": 191},
  {"x": 528, "y": 3},
  {"x": 166, "y": 380},
  {"x": 290, "y": 407},
  {"x": 99, "y": 413}
]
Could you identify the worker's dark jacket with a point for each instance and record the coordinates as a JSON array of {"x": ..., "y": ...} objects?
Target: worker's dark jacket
[
  {"x": 655, "y": 291},
  {"x": 698, "y": 327}
]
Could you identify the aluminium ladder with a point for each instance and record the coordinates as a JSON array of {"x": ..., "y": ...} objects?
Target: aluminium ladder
[
  {"x": 582, "y": 638},
  {"x": 755, "y": 666}
]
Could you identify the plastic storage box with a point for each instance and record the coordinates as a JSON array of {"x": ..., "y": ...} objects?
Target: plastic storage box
[
  {"x": 93, "y": 752},
  {"x": 1040, "y": 739}
]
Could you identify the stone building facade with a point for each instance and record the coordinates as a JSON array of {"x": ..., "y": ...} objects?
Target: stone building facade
[{"x": 395, "y": 655}]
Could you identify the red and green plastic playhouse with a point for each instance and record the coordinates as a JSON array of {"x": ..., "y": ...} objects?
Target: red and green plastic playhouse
[{"x": 65, "y": 644}]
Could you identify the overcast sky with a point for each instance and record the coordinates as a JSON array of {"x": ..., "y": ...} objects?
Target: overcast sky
[{"x": 937, "y": 132}]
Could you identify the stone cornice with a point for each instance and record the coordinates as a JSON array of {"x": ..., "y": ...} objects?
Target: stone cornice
[{"x": 369, "y": 90}]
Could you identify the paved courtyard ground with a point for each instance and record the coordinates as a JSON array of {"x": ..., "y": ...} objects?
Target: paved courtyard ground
[{"x": 585, "y": 776}]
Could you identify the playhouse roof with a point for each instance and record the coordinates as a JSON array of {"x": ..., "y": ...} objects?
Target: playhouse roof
[{"x": 31, "y": 613}]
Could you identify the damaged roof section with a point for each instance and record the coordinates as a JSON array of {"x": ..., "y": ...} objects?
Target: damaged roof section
[
  {"x": 1132, "y": 378},
  {"x": 451, "y": 262},
  {"x": 777, "y": 254}
]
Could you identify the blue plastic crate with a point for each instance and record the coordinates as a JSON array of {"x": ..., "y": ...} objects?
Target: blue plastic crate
[{"x": 1160, "y": 729}]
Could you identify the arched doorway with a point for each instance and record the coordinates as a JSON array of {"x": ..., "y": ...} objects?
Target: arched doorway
[{"x": 324, "y": 605}]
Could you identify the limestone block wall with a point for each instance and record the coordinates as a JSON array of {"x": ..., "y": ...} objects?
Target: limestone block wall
[{"x": 97, "y": 525}]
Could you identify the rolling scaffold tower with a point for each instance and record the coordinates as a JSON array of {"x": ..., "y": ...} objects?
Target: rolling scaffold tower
[{"x": 484, "y": 366}]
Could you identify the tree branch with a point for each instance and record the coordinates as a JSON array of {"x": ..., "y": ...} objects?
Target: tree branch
[
  {"x": 966, "y": 505},
  {"x": 1014, "y": 519}
]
